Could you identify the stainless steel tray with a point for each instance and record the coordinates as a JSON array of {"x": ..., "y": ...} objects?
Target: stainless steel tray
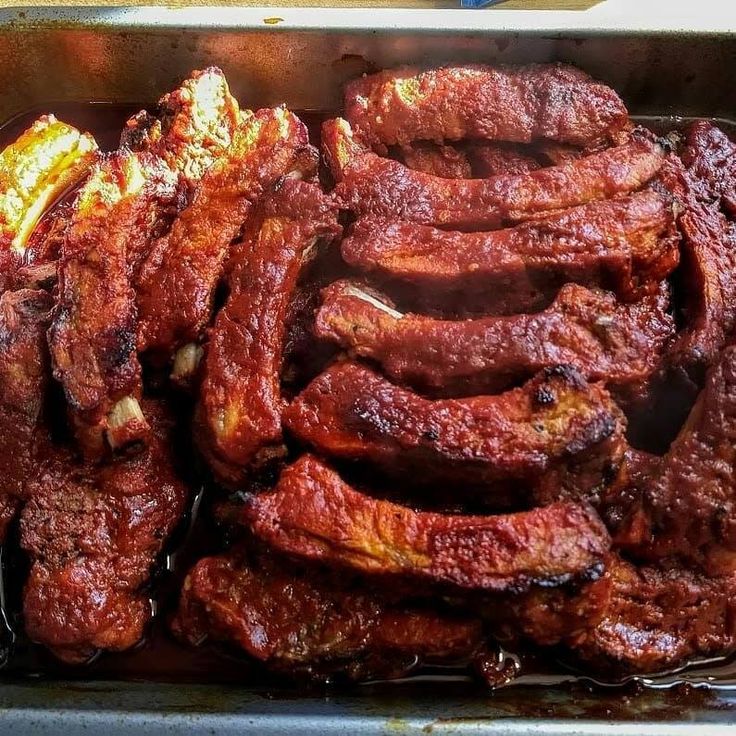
[{"x": 663, "y": 64}]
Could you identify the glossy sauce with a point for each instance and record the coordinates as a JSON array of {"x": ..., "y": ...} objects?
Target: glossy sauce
[{"x": 159, "y": 658}]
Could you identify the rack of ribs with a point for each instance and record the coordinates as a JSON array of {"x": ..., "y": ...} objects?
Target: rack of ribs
[
  {"x": 370, "y": 184},
  {"x": 619, "y": 344},
  {"x": 177, "y": 284},
  {"x": 628, "y": 245},
  {"x": 314, "y": 623},
  {"x": 520, "y": 104},
  {"x": 127, "y": 200},
  {"x": 238, "y": 421},
  {"x": 555, "y": 431},
  {"x": 93, "y": 534},
  {"x": 314, "y": 514},
  {"x": 24, "y": 378}
]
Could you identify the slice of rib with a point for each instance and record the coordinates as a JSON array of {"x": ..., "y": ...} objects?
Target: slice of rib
[
  {"x": 314, "y": 514},
  {"x": 370, "y": 184}
]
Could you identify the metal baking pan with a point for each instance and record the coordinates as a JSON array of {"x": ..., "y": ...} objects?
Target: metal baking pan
[{"x": 674, "y": 64}]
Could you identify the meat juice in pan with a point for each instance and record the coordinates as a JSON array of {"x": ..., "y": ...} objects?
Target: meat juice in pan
[{"x": 159, "y": 658}]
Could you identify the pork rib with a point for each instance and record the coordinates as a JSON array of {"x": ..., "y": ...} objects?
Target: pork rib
[
  {"x": 619, "y": 344},
  {"x": 93, "y": 535},
  {"x": 447, "y": 162},
  {"x": 178, "y": 280},
  {"x": 262, "y": 607},
  {"x": 238, "y": 423},
  {"x": 519, "y": 104},
  {"x": 314, "y": 514},
  {"x": 555, "y": 430},
  {"x": 628, "y": 245},
  {"x": 24, "y": 377},
  {"x": 369, "y": 184}
]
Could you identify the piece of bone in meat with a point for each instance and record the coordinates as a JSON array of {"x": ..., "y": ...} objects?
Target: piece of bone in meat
[
  {"x": 93, "y": 534},
  {"x": 619, "y": 344},
  {"x": 24, "y": 378},
  {"x": 448, "y": 162},
  {"x": 660, "y": 618},
  {"x": 520, "y": 104},
  {"x": 238, "y": 418},
  {"x": 314, "y": 514},
  {"x": 178, "y": 281},
  {"x": 261, "y": 606},
  {"x": 628, "y": 245},
  {"x": 370, "y": 184},
  {"x": 555, "y": 430}
]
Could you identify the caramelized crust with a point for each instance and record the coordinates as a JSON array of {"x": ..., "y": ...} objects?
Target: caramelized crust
[
  {"x": 369, "y": 184},
  {"x": 619, "y": 344},
  {"x": 518, "y": 104},
  {"x": 628, "y": 245},
  {"x": 238, "y": 423},
  {"x": 93, "y": 534},
  {"x": 493, "y": 159},
  {"x": 659, "y": 618},
  {"x": 24, "y": 377},
  {"x": 554, "y": 431},
  {"x": 178, "y": 280},
  {"x": 315, "y": 515},
  {"x": 313, "y": 623},
  {"x": 447, "y": 162}
]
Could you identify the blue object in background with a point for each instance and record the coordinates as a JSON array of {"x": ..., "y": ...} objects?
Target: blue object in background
[{"x": 476, "y": 3}]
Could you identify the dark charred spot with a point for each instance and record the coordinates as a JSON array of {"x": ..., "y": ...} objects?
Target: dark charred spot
[
  {"x": 544, "y": 396},
  {"x": 431, "y": 434}
]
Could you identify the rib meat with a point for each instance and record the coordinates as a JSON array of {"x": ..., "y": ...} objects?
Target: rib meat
[
  {"x": 684, "y": 504},
  {"x": 520, "y": 104},
  {"x": 369, "y": 184},
  {"x": 492, "y": 159},
  {"x": 178, "y": 280},
  {"x": 628, "y": 245},
  {"x": 619, "y": 344},
  {"x": 93, "y": 535},
  {"x": 447, "y": 162},
  {"x": 313, "y": 623},
  {"x": 710, "y": 158},
  {"x": 554, "y": 431},
  {"x": 314, "y": 514},
  {"x": 661, "y": 618},
  {"x": 240, "y": 405},
  {"x": 24, "y": 371}
]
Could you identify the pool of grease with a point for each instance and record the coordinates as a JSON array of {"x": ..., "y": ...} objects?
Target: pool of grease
[{"x": 159, "y": 658}]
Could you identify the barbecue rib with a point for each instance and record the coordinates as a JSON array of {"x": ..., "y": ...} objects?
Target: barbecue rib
[
  {"x": 710, "y": 158},
  {"x": 93, "y": 535},
  {"x": 628, "y": 245},
  {"x": 619, "y": 344},
  {"x": 684, "y": 504},
  {"x": 446, "y": 162},
  {"x": 659, "y": 618},
  {"x": 709, "y": 261},
  {"x": 313, "y": 624},
  {"x": 314, "y": 514},
  {"x": 178, "y": 280},
  {"x": 369, "y": 184},
  {"x": 128, "y": 201},
  {"x": 555, "y": 431},
  {"x": 24, "y": 369},
  {"x": 520, "y": 104},
  {"x": 239, "y": 412}
]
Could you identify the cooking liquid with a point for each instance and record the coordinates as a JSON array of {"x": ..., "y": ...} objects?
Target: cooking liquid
[{"x": 159, "y": 658}]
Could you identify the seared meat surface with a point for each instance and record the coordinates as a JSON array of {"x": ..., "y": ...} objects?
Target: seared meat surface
[
  {"x": 314, "y": 514},
  {"x": 555, "y": 431},
  {"x": 238, "y": 421},
  {"x": 619, "y": 344},
  {"x": 521, "y": 104},
  {"x": 446, "y": 162},
  {"x": 313, "y": 622},
  {"x": 628, "y": 245},
  {"x": 370, "y": 184}
]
